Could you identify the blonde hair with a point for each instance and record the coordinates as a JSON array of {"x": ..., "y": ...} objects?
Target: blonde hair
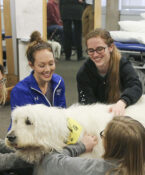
[
  {"x": 113, "y": 72},
  {"x": 36, "y": 43},
  {"x": 3, "y": 91},
  {"x": 124, "y": 141}
]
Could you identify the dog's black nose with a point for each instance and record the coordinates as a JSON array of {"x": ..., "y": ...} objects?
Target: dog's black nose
[{"x": 11, "y": 137}]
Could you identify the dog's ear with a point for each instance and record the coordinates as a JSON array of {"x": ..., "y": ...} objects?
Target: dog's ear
[{"x": 28, "y": 122}]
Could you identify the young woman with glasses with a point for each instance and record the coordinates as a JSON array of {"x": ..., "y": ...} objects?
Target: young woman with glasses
[
  {"x": 124, "y": 154},
  {"x": 3, "y": 91},
  {"x": 106, "y": 77}
]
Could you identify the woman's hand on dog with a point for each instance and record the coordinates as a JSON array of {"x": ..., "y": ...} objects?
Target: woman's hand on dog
[
  {"x": 89, "y": 141},
  {"x": 118, "y": 109}
]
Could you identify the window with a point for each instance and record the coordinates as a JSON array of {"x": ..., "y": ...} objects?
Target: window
[
  {"x": 1, "y": 4},
  {"x": 103, "y": 3},
  {"x": 128, "y": 4},
  {"x": 132, "y": 4}
]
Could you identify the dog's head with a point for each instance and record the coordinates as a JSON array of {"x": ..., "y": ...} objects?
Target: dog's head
[{"x": 36, "y": 127}]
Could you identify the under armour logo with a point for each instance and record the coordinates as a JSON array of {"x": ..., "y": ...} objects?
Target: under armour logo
[
  {"x": 36, "y": 98},
  {"x": 58, "y": 91}
]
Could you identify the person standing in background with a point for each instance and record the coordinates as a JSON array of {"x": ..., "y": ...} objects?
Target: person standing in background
[
  {"x": 88, "y": 18},
  {"x": 71, "y": 15},
  {"x": 54, "y": 22}
]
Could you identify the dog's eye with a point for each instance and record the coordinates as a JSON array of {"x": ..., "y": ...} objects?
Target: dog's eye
[{"x": 28, "y": 122}]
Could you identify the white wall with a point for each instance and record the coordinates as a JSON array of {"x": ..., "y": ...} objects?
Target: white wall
[
  {"x": 29, "y": 17},
  {"x": 26, "y": 17},
  {"x": 24, "y": 68}
]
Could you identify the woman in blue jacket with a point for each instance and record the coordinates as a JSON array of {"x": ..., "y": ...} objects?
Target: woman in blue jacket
[{"x": 42, "y": 86}]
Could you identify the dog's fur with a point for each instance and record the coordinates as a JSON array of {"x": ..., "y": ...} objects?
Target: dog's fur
[
  {"x": 38, "y": 129},
  {"x": 56, "y": 48}
]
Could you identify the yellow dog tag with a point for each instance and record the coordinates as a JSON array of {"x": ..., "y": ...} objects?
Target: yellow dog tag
[{"x": 75, "y": 131}]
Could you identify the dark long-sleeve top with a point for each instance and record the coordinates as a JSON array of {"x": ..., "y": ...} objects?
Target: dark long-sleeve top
[
  {"x": 53, "y": 13},
  {"x": 67, "y": 163},
  {"x": 71, "y": 9},
  {"x": 92, "y": 87},
  {"x": 9, "y": 159}
]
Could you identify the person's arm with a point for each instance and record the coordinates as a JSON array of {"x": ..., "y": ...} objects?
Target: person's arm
[
  {"x": 86, "y": 144},
  {"x": 20, "y": 97},
  {"x": 4, "y": 148},
  {"x": 9, "y": 159},
  {"x": 118, "y": 109},
  {"x": 52, "y": 14},
  {"x": 131, "y": 85},
  {"x": 132, "y": 89},
  {"x": 66, "y": 162}
]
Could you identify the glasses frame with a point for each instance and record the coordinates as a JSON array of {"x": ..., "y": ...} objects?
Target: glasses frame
[
  {"x": 102, "y": 134},
  {"x": 96, "y": 50},
  {"x": 3, "y": 80}
]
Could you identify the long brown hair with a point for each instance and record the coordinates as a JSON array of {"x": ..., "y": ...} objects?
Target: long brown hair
[
  {"x": 36, "y": 43},
  {"x": 113, "y": 72},
  {"x": 3, "y": 91},
  {"x": 124, "y": 141}
]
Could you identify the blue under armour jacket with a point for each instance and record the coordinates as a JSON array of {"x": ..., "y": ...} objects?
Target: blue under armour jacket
[{"x": 27, "y": 91}]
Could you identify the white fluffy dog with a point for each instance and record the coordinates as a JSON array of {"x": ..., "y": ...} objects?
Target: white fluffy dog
[
  {"x": 38, "y": 129},
  {"x": 56, "y": 48}
]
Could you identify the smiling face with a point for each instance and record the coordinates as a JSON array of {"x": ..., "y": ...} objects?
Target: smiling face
[
  {"x": 102, "y": 58},
  {"x": 44, "y": 65}
]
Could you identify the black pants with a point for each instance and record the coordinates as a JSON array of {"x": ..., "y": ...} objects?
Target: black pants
[{"x": 68, "y": 34}]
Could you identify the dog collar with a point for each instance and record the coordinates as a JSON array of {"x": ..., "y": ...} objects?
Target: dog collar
[{"x": 75, "y": 131}]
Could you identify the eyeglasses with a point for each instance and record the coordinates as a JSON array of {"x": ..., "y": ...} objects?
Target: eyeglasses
[
  {"x": 99, "y": 50},
  {"x": 102, "y": 134},
  {"x": 3, "y": 80}
]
